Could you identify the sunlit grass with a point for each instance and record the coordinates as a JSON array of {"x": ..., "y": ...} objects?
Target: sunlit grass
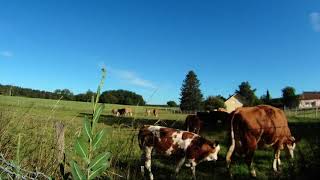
[{"x": 35, "y": 119}]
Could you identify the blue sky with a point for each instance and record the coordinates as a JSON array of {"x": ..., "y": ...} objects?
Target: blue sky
[{"x": 149, "y": 46}]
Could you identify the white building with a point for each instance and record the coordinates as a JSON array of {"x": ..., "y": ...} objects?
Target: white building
[
  {"x": 233, "y": 102},
  {"x": 309, "y": 100}
]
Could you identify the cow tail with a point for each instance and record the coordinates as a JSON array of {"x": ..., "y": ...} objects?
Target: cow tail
[{"x": 233, "y": 142}]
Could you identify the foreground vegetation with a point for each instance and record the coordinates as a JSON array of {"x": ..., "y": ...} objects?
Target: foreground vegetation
[{"x": 33, "y": 120}]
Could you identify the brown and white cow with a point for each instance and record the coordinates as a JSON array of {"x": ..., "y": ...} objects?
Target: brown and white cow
[
  {"x": 125, "y": 112},
  {"x": 259, "y": 126},
  {"x": 115, "y": 112},
  {"x": 193, "y": 123},
  {"x": 189, "y": 148}
]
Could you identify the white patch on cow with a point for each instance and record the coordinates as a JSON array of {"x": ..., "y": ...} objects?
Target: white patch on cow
[
  {"x": 182, "y": 144},
  {"x": 169, "y": 151},
  {"x": 190, "y": 163},
  {"x": 213, "y": 156},
  {"x": 155, "y": 130}
]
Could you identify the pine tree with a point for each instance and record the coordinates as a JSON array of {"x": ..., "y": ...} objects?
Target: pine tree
[
  {"x": 191, "y": 96},
  {"x": 266, "y": 99}
]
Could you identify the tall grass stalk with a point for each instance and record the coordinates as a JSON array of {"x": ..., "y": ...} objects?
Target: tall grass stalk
[{"x": 87, "y": 144}]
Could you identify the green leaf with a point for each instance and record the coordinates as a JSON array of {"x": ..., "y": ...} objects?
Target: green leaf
[
  {"x": 99, "y": 161},
  {"x": 87, "y": 128},
  {"x": 81, "y": 148},
  {"x": 92, "y": 101},
  {"x": 97, "y": 113},
  {"x": 97, "y": 139},
  {"x": 98, "y": 171},
  {"x": 76, "y": 171}
]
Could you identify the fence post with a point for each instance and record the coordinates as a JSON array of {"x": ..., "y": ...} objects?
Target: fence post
[
  {"x": 59, "y": 141},
  {"x": 316, "y": 111}
]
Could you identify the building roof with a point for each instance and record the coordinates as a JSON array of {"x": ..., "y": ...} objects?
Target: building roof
[
  {"x": 310, "y": 95},
  {"x": 238, "y": 97}
]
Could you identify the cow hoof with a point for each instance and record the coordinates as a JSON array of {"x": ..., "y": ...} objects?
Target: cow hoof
[
  {"x": 230, "y": 175},
  {"x": 253, "y": 174}
]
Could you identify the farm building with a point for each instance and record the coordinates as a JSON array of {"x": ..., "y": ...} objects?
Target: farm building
[
  {"x": 234, "y": 102},
  {"x": 309, "y": 100}
]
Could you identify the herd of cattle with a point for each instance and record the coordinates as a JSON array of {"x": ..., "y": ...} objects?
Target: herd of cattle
[
  {"x": 128, "y": 112},
  {"x": 249, "y": 129}
]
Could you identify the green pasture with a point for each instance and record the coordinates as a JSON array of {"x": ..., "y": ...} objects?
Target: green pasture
[{"x": 34, "y": 120}]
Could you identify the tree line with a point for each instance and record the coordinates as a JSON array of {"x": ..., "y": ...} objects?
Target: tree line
[
  {"x": 113, "y": 96},
  {"x": 191, "y": 97}
]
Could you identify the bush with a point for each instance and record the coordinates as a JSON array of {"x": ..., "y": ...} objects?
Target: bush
[
  {"x": 213, "y": 102},
  {"x": 172, "y": 104}
]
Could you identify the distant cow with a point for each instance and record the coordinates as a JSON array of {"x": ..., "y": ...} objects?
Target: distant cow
[
  {"x": 193, "y": 124},
  {"x": 253, "y": 127},
  {"x": 189, "y": 148},
  {"x": 148, "y": 112},
  {"x": 155, "y": 112},
  {"x": 125, "y": 111},
  {"x": 115, "y": 112}
]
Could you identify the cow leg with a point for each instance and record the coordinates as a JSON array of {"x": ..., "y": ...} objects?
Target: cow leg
[
  {"x": 180, "y": 163},
  {"x": 276, "y": 161},
  {"x": 249, "y": 160},
  {"x": 193, "y": 170},
  {"x": 228, "y": 157},
  {"x": 147, "y": 164},
  {"x": 192, "y": 164}
]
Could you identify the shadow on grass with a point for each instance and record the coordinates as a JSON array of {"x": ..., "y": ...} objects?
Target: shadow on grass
[{"x": 164, "y": 168}]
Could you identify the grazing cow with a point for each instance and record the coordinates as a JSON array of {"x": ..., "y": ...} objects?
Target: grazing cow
[
  {"x": 155, "y": 112},
  {"x": 189, "y": 148},
  {"x": 115, "y": 112},
  {"x": 193, "y": 124},
  {"x": 260, "y": 126},
  {"x": 125, "y": 111},
  {"x": 128, "y": 111},
  {"x": 148, "y": 112}
]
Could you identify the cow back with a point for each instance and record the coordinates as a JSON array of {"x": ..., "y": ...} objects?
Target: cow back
[{"x": 266, "y": 123}]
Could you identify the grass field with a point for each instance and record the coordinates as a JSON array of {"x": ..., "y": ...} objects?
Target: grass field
[{"x": 34, "y": 120}]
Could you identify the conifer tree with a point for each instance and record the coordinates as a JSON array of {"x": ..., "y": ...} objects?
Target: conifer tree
[{"x": 191, "y": 96}]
